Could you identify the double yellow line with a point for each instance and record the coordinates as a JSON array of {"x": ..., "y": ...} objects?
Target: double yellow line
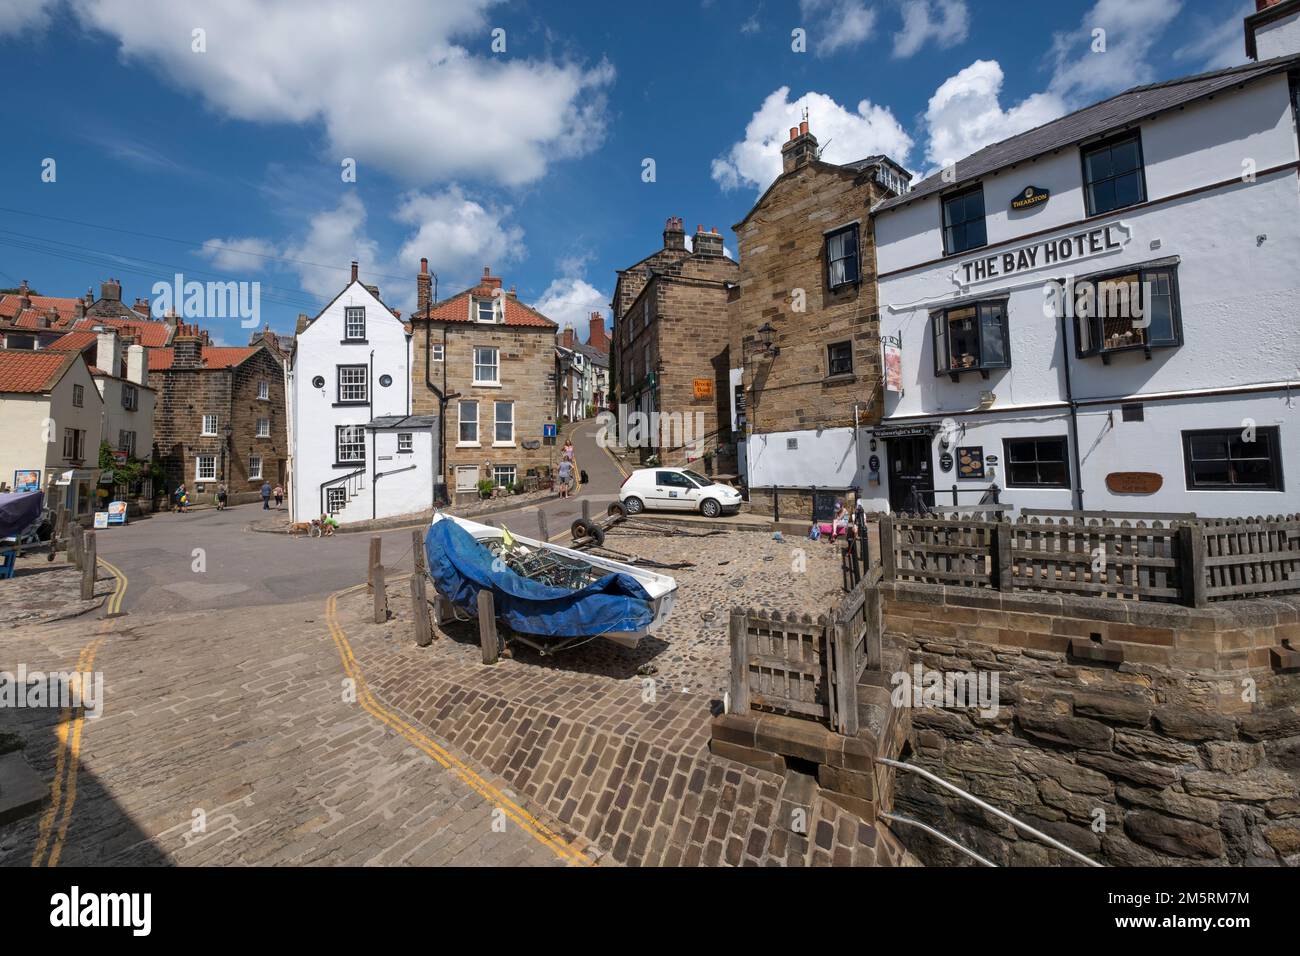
[
  {"x": 526, "y": 821},
  {"x": 72, "y": 721}
]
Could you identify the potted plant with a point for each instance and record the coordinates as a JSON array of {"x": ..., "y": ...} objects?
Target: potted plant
[{"x": 485, "y": 487}]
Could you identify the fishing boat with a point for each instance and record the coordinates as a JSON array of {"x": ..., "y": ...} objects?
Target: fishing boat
[{"x": 551, "y": 597}]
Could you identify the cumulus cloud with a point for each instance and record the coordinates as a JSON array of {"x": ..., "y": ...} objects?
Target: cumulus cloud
[
  {"x": 19, "y": 15},
  {"x": 569, "y": 301},
  {"x": 240, "y": 255},
  {"x": 847, "y": 134},
  {"x": 458, "y": 234},
  {"x": 1218, "y": 45},
  {"x": 394, "y": 92},
  {"x": 943, "y": 22},
  {"x": 1084, "y": 73},
  {"x": 835, "y": 25}
]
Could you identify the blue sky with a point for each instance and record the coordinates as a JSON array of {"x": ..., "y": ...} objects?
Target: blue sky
[{"x": 225, "y": 162}]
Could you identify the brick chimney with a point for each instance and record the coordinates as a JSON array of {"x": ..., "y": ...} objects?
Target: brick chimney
[
  {"x": 171, "y": 318},
  {"x": 675, "y": 234},
  {"x": 110, "y": 290},
  {"x": 187, "y": 352},
  {"x": 354, "y": 270},
  {"x": 141, "y": 306},
  {"x": 567, "y": 339},
  {"x": 108, "y": 356},
  {"x": 706, "y": 243},
  {"x": 1273, "y": 30},
  {"x": 598, "y": 338},
  {"x": 800, "y": 150},
  {"x": 79, "y": 310},
  {"x": 423, "y": 289},
  {"x": 24, "y": 296},
  {"x": 137, "y": 365},
  {"x": 489, "y": 281}
]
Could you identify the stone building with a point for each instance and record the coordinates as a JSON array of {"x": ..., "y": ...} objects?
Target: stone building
[
  {"x": 484, "y": 364},
  {"x": 673, "y": 349},
  {"x": 220, "y": 417},
  {"x": 805, "y": 349}
]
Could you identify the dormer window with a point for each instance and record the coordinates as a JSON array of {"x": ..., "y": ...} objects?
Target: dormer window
[
  {"x": 971, "y": 338},
  {"x": 354, "y": 323},
  {"x": 485, "y": 310}
]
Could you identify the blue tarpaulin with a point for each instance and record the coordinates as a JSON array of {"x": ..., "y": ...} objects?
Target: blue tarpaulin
[
  {"x": 461, "y": 567},
  {"x": 19, "y": 511}
]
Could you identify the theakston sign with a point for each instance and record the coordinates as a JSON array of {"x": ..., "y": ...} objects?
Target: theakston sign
[{"x": 1044, "y": 254}]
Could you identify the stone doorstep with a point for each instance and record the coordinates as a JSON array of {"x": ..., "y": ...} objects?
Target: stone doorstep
[{"x": 22, "y": 791}]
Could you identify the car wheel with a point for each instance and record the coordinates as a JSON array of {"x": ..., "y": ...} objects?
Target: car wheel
[
  {"x": 710, "y": 508},
  {"x": 633, "y": 505}
]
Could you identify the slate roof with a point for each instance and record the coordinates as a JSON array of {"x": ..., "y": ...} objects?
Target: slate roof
[
  {"x": 24, "y": 371},
  {"x": 1123, "y": 109},
  {"x": 403, "y": 421}
]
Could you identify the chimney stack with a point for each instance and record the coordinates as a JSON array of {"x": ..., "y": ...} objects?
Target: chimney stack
[
  {"x": 354, "y": 270},
  {"x": 141, "y": 306},
  {"x": 108, "y": 357},
  {"x": 137, "y": 365},
  {"x": 800, "y": 150},
  {"x": 489, "y": 281},
  {"x": 423, "y": 289},
  {"x": 111, "y": 290},
  {"x": 598, "y": 338},
  {"x": 707, "y": 243},
  {"x": 170, "y": 318},
  {"x": 675, "y": 234},
  {"x": 566, "y": 338},
  {"x": 186, "y": 352}
]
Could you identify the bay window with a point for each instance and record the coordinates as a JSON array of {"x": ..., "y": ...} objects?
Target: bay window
[
  {"x": 971, "y": 338},
  {"x": 1135, "y": 309}
]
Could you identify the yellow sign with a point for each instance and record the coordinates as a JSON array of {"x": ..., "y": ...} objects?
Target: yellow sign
[{"x": 704, "y": 388}]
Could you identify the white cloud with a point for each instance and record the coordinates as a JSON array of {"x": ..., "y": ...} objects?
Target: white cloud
[
  {"x": 391, "y": 89},
  {"x": 570, "y": 301},
  {"x": 1217, "y": 46},
  {"x": 240, "y": 255},
  {"x": 846, "y": 134},
  {"x": 458, "y": 234},
  {"x": 964, "y": 114},
  {"x": 945, "y": 22},
  {"x": 19, "y": 15},
  {"x": 1132, "y": 28},
  {"x": 333, "y": 239},
  {"x": 835, "y": 25}
]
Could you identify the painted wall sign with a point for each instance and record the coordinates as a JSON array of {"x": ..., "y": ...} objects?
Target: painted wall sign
[
  {"x": 903, "y": 431},
  {"x": 703, "y": 388},
  {"x": 1134, "y": 482},
  {"x": 1048, "y": 252},
  {"x": 1029, "y": 197},
  {"x": 970, "y": 462}
]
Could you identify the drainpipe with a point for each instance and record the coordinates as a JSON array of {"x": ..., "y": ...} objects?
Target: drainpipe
[{"x": 1074, "y": 417}]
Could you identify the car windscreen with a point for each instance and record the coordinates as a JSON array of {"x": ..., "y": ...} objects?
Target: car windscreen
[{"x": 698, "y": 479}]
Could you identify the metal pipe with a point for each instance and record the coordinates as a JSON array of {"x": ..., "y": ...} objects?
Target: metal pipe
[
  {"x": 938, "y": 836},
  {"x": 1051, "y": 841}
]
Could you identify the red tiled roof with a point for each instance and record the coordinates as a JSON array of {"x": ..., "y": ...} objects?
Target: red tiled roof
[
  {"x": 457, "y": 308},
  {"x": 33, "y": 372},
  {"x": 149, "y": 334},
  {"x": 34, "y": 319},
  {"x": 73, "y": 342},
  {"x": 214, "y": 356},
  {"x": 65, "y": 307}
]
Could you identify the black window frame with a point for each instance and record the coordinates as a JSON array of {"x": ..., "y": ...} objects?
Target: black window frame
[
  {"x": 854, "y": 259},
  {"x": 939, "y": 322},
  {"x": 948, "y": 228},
  {"x": 831, "y": 359},
  {"x": 1272, "y": 432},
  {"x": 1096, "y": 327},
  {"x": 338, "y": 385},
  {"x": 1109, "y": 143},
  {"x": 347, "y": 311},
  {"x": 338, "y": 434},
  {"x": 1008, "y": 472}
]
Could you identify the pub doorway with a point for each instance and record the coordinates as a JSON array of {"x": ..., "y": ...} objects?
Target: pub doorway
[{"x": 910, "y": 478}]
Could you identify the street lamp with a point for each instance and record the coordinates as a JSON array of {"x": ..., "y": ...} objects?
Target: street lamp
[{"x": 767, "y": 338}]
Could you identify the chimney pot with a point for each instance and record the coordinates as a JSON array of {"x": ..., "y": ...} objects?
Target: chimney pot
[
  {"x": 794, "y": 133},
  {"x": 803, "y": 128}
]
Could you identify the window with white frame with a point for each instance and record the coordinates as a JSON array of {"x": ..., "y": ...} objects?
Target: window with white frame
[
  {"x": 645, "y": 310},
  {"x": 354, "y": 323},
  {"x": 209, "y": 424},
  {"x": 405, "y": 441},
  {"x": 487, "y": 369},
  {"x": 353, "y": 382},
  {"x": 468, "y": 419},
  {"x": 74, "y": 444},
  {"x": 264, "y": 428},
  {"x": 254, "y": 466},
  {"x": 435, "y": 353},
  {"x": 264, "y": 391},
  {"x": 335, "y": 500},
  {"x": 350, "y": 443},
  {"x": 485, "y": 310},
  {"x": 505, "y": 423},
  {"x": 205, "y": 468},
  {"x": 126, "y": 442},
  {"x": 503, "y": 476}
]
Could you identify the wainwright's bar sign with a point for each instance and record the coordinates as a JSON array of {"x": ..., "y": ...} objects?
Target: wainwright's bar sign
[{"x": 1048, "y": 252}]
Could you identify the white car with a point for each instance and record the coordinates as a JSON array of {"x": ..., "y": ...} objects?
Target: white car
[{"x": 676, "y": 489}]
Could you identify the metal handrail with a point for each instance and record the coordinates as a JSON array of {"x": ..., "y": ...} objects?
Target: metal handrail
[
  {"x": 333, "y": 481},
  {"x": 1052, "y": 841},
  {"x": 938, "y": 836}
]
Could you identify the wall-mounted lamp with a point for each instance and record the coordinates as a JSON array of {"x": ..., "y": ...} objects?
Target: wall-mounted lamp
[{"x": 767, "y": 338}]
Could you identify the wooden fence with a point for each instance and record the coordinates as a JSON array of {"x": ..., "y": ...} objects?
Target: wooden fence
[
  {"x": 804, "y": 667},
  {"x": 1190, "y": 561}
]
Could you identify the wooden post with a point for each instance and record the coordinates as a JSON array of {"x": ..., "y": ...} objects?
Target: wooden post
[
  {"x": 419, "y": 593},
  {"x": 1002, "y": 556},
  {"x": 381, "y": 595},
  {"x": 376, "y": 543},
  {"x": 487, "y": 627},
  {"x": 840, "y": 641},
  {"x": 88, "y": 560},
  {"x": 887, "y": 547},
  {"x": 74, "y": 544},
  {"x": 739, "y": 663},
  {"x": 417, "y": 549},
  {"x": 1191, "y": 555},
  {"x": 873, "y": 614},
  {"x": 586, "y": 509},
  {"x": 60, "y": 527},
  {"x": 542, "y": 530}
]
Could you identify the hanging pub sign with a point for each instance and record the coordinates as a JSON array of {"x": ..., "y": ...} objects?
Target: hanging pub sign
[
  {"x": 945, "y": 463},
  {"x": 1048, "y": 252},
  {"x": 1029, "y": 197},
  {"x": 891, "y": 360}
]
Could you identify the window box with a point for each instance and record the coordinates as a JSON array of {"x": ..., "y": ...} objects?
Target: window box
[
  {"x": 1113, "y": 303},
  {"x": 1037, "y": 462},
  {"x": 971, "y": 338},
  {"x": 1222, "y": 459},
  {"x": 963, "y": 221},
  {"x": 1113, "y": 177},
  {"x": 842, "y": 268}
]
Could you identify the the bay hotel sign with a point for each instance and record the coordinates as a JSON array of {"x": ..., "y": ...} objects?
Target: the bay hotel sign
[{"x": 1078, "y": 246}]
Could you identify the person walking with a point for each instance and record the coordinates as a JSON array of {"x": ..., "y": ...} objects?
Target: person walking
[
  {"x": 566, "y": 476},
  {"x": 181, "y": 499},
  {"x": 279, "y": 496},
  {"x": 266, "y": 496},
  {"x": 222, "y": 496}
]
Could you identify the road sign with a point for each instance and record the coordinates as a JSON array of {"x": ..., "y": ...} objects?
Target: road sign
[{"x": 549, "y": 429}]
